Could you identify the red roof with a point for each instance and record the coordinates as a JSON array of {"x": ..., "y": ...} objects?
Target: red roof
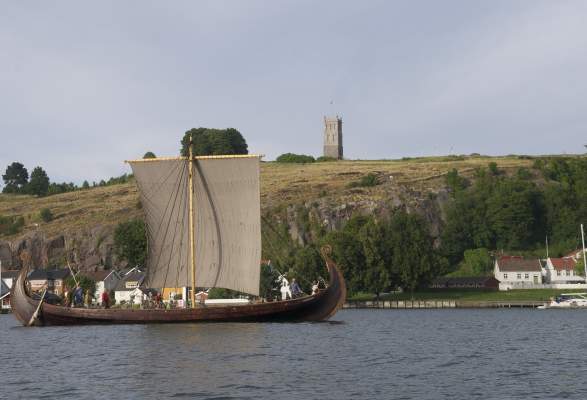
[
  {"x": 518, "y": 264},
  {"x": 565, "y": 263}
]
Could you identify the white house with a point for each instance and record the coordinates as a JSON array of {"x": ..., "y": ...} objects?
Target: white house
[
  {"x": 125, "y": 288},
  {"x": 562, "y": 270},
  {"x": 8, "y": 277},
  {"x": 4, "y": 295},
  {"x": 516, "y": 272},
  {"x": 105, "y": 281}
]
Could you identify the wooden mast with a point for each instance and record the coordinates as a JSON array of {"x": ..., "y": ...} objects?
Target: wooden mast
[{"x": 191, "y": 223}]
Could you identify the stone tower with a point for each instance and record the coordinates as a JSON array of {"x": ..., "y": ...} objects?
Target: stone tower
[{"x": 333, "y": 137}]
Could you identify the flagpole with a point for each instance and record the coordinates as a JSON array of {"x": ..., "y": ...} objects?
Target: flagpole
[{"x": 584, "y": 257}]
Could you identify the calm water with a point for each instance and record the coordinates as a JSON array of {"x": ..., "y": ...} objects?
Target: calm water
[{"x": 364, "y": 354}]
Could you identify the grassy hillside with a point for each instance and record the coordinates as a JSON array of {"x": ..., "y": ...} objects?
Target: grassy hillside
[{"x": 281, "y": 184}]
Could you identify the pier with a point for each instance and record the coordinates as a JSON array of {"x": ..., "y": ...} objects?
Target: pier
[{"x": 436, "y": 304}]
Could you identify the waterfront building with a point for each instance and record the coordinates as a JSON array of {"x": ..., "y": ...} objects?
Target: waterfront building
[
  {"x": 52, "y": 279},
  {"x": 106, "y": 281},
  {"x": 4, "y": 296},
  {"x": 8, "y": 277},
  {"x": 562, "y": 270},
  {"x": 516, "y": 272},
  {"x": 125, "y": 288}
]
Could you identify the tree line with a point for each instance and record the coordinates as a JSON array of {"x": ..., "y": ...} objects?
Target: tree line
[{"x": 17, "y": 181}]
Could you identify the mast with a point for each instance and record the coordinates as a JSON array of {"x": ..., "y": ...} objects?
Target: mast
[{"x": 191, "y": 223}]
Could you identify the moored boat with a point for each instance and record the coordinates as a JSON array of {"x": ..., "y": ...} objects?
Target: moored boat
[{"x": 567, "y": 300}]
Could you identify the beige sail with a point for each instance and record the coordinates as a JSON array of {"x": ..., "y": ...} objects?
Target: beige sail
[{"x": 227, "y": 218}]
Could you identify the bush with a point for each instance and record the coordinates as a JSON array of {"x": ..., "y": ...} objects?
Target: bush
[
  {"x": 46, "y": 215},
  {"x": 325, "y": 159},
  {"x": 295, "y": 158},
  {"x": 368, "y": 180}
]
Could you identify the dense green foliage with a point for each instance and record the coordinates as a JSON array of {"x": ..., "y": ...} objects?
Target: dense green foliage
[
  {"x": 46, "y": 215},
  {"x": 374, "y": 255},
  {"x": 149, "y": 154},
  {"x": 39, "y": 183},
  {"x": 295, "y": 158},
  {"x": 512, "y": 213},
  {"x": 130, "y": 242},
  {"x": 15, "y": 178},
  {"x": 207, "y": 141}
]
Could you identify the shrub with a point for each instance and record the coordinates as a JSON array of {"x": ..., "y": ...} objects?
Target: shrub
[
  {"x": 368, "y": 180},
  {"x": 325, "y": 159},
  {"x": 295, "y": 158},
  {"x": 46, "y": 215}
]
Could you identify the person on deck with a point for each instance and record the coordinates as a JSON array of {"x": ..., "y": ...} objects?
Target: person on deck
[
  {"x": 315, "y": 288},
  {"x": 66, "y": 297},
  {"x": 296, "y": 291},
  {"x": 105, "y": 299},
  {"x": 78, "y": 296},
  {"x": 87, "y": 299}
]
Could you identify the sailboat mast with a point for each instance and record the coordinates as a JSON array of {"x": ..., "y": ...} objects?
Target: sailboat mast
[{"x": 191, "y": 223}]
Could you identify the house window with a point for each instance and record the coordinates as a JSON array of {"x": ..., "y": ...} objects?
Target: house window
[
  {"x": 519, "y": 276},
  {"x": 558, "y": 273},
  {"x": 505, "y": 276},
  {"x": 526, "y": 276},
  {"x": 567, "y": 272}
]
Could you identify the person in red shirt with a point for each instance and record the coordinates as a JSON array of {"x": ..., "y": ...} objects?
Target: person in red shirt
[{"x": 105, "y": 299}]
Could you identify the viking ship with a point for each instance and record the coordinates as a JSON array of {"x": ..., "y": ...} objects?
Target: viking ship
[{"x": 203, "y": 220}]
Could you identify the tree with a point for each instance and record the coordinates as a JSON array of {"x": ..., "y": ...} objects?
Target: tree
[
  {"x": 15, "y": 178},
  {"x": 39, "y": 184},
  {"x": 130, "y": 242},
  {"x": 149, "y": 154},
  {"x": 207, "y": 141},
  {"x": 454, "y": 181},
  {"x": 378, "y": 275},
  {"x": 85, "y": 185},
  {"x": 478, "y": 261},
  {"x": 413, "y": 256}
]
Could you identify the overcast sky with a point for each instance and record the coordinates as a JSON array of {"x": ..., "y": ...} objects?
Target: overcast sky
[{"x": 84, "y": 86}]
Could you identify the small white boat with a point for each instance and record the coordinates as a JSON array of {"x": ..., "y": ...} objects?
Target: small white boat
[{"x": 567, "y": 300}]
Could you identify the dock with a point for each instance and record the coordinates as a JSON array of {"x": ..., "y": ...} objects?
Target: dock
[{"x": 437, "y": 304}]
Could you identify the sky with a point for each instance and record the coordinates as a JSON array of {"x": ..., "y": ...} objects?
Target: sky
[{"x": 87, "y": 85}]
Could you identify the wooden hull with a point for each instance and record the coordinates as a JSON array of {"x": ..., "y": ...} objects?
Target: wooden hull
[{"x": 318, "y": 307}]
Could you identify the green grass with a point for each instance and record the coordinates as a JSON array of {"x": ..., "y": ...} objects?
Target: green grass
[{"x": 472, "y": 295}]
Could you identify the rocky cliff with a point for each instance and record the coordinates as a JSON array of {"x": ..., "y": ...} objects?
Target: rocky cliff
[{"x": 295, "y": 196}]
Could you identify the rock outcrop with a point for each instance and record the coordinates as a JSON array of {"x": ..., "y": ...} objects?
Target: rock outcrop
[{"x": 88, "y": 249}]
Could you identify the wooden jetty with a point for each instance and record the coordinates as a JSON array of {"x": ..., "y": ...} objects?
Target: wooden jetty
[{"x": 435, "y": 304}]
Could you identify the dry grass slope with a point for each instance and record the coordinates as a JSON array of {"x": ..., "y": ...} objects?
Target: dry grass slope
[{"x": 280, "y": 184}]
